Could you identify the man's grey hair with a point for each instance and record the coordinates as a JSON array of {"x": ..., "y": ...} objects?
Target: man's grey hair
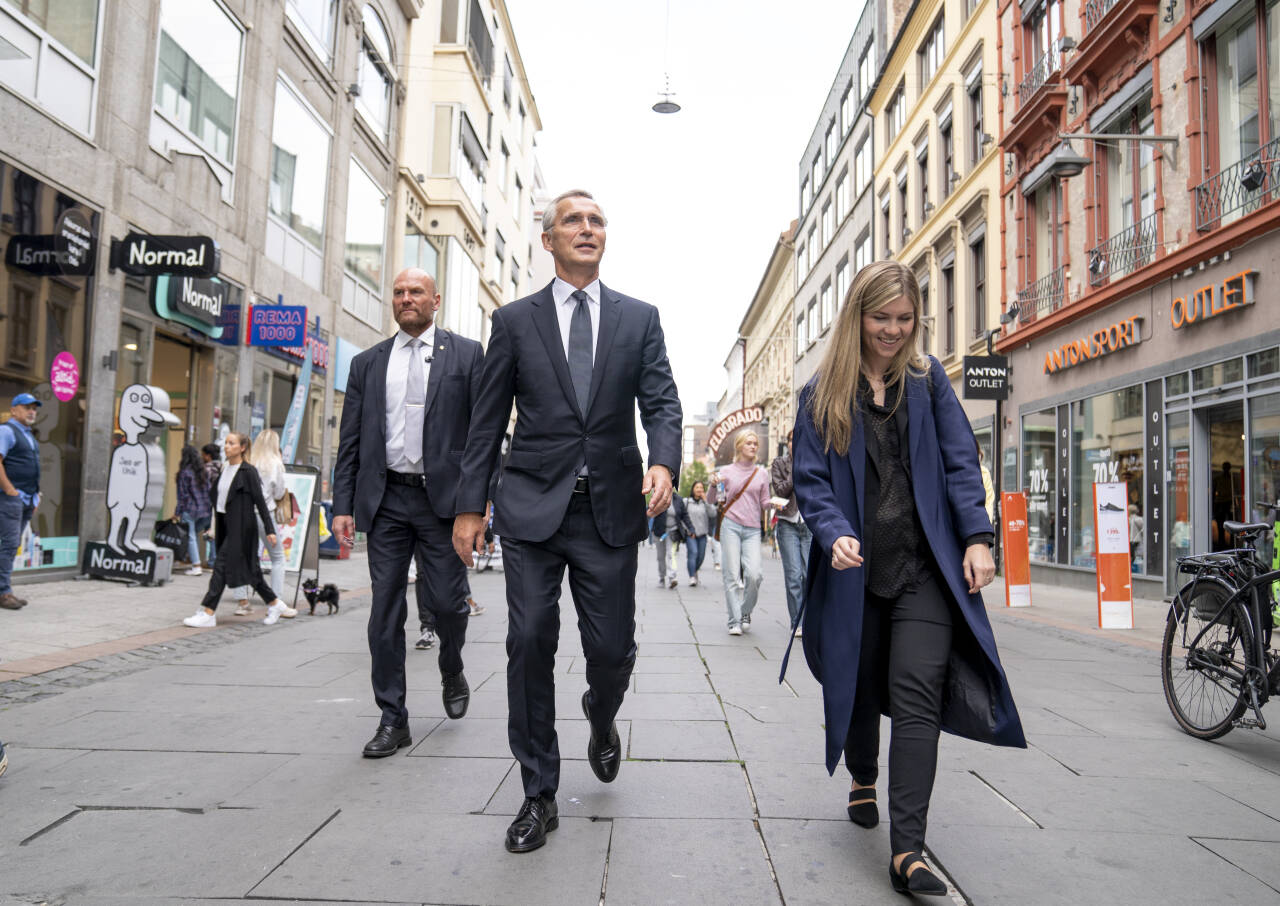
[{"x": 549, "y": 215}]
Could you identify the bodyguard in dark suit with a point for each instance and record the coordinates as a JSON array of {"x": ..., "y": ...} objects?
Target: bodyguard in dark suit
[
  {"x": 575, "y": 358},
  {"x": 404, "y": 425}
]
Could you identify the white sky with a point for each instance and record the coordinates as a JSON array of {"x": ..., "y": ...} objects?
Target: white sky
[{"x": 696, "y": 199}]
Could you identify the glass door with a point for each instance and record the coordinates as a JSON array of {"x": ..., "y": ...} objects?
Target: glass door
[
  {"x": 1226, "y": 472},
  {"x": 1264, "y": 471},
  {"x": 1177, "y": 495}
]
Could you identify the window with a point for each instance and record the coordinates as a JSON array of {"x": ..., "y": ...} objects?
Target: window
[
  {"x": 842, "y": 281},
  {"x": 469, "y": 162},
  {"x": 884, "y": 224},
  {"x": 842, "y": 195},
  {"x": 499, "y": 247},
  {"x": 1039, "y": 462},
  {"x": 1131, "y": 197},
  {"x": 52, "y": 59},
  {"x": 895, "y": 117},
  {"x": 846, "y": 110},
  {"x": 506, "y": 167},
  {"x": 926, "y": 314},
  {"x": 812, "y": 248},
  {"x": 867, "y": 70},
  {"x": 922, "y": 173},
  {"x": 1106, "y": 445},
  {"x": 828, "y": 225},
  {"x": 299, "y": 168},
  {"x": 976, "y": 135},
  {"x": 508, "y": 80},
  {"x": 829, "y": 146},
  {"x": 517, "y": 195},
  {"x": 862, "y": 167},
  {"x": 862, "y": 255},
  {"x": 978, "y": 267},
  {"x": 811, "y": 321},
  {"x": 931, "y": 53},
  {"x": 21, "y": 327},
  {"x": 804, "y": 196},
  {"x": 315, "y": 19},
  {"x": 376, "y": 79},
  {"x": 198, "y": 73},
  {"x": 817, "y": 172},
  {"x": 460, "y": 309},
  {"x": 366, "y": 227},
  {"x": 1041, "y": 29},
  {"x": 419, "y": 252},
  {"x": 949, "y": 310},
  {"x": 802, "y": 341},
  {"x": 515, "y": 279},
  {"x": 480, "y": 43},
  {"x": 1243, "y": 90},
  {"x": 1046, "y": 240},
  {"x": 802, "y": 259},
  {"x": 828, "y": 306},
  {"x": 904, "y": 231},
  {"x": 947, "y": 147}
]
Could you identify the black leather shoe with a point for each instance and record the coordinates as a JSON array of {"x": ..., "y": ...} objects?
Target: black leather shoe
[
  {"x": 922, "y": 881},
  {"x": 862, "y": 807},
  {"x": 537, "y": 818},
  {"x": 456, "y": 695},
  {"x": 606, "y": 757},
  {"x": 387, "y": 741}
]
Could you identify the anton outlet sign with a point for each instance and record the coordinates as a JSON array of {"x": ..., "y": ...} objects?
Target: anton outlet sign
[{"x": 144, "y": 255}]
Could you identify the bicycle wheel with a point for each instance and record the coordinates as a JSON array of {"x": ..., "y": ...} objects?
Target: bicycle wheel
[{"x": 1203, "y": 660}]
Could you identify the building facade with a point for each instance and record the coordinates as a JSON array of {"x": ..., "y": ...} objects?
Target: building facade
[
  {"x": 938, "y": 179},
  {"x": 468, "y": 173},
  {"x": 270, "y": 128},
  {"x": 766, "y": 334},
  {"x": 835, "y": 237},
  {"x": 1144, "y": 344}
]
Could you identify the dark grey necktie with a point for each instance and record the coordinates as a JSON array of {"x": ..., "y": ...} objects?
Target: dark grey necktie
[{"x": 580, "y": 350}]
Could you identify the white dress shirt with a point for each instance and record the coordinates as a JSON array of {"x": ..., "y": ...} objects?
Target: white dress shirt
[
  {"x": 565, "y": 304},
  {"x": 398, "y": 364}
]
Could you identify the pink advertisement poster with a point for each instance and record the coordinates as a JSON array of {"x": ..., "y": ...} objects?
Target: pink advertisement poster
[{"x": 64, "y": 376}]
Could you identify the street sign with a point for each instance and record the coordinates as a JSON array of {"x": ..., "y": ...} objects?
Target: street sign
[
  {"x": 277, "y": 325},
  {"x": 986, "y": 377},
  {"x": 144, "y": 255}
]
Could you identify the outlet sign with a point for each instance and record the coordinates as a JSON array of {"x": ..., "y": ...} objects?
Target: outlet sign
[{"x": 1233, "y": 294}]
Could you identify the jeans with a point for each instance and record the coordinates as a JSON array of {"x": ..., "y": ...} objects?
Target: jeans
[
  {"x": 195, "y": 530},
  {"x": 714, "y": 544},
  {"x": 277, "y": 565},
  {"x": 695, "y": 553},
  {"x": 665, "y": 546},
  {"x": 741, "y": 569},
  {"x": 793, "y": 544},
  {"x": 14, "y": 516}
]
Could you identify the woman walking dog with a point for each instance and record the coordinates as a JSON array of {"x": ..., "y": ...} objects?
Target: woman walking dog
[{"x": 886, "y": 476}]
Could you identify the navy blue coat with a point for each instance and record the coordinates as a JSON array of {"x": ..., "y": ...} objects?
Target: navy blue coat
[{"x": 951, "y": 502}]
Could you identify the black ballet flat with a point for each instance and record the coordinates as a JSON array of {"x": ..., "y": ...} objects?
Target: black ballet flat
[
  {"x": 862, "y": 807},
  {"x": 922, "y": 881}
]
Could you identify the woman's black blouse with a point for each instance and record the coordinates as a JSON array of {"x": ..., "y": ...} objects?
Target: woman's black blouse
[{"x": 894, "y": 543}]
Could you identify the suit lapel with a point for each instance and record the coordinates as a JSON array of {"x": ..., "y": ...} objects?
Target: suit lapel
[
  {"x": 917, "y": 400},
  {"x": 439, "y": 368},
  {"x": 610, "y": 314},
  {"x": 548, "y": 327},
  {"x": 378, "y": 375},
  {"x": 858, "y": 466}
]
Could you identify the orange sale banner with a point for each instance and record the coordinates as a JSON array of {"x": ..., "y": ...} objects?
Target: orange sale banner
[
  {"x": 1017, "y": 557},
  {"x": 1111, "y": 545}
]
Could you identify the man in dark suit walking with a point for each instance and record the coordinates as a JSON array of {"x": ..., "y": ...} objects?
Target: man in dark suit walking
[
  {"x": 575, "y": 358},
  {"x": 404, "y": 423}
]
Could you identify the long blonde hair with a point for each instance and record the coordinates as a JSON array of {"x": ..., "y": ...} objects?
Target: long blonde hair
[
  {"x": 266, "y": 456},
  {"x": 833, "y": 403}
]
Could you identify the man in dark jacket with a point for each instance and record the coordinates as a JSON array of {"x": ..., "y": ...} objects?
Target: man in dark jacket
[
  {"x": 794, "y": 536},
  {"x": 20, "y": 482}
]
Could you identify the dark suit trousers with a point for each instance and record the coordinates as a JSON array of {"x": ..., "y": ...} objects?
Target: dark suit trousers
[
  {"x": 902, "y": 662},
  {"x": 602, "y": 580},
  {"x": 404, "y": 525}
]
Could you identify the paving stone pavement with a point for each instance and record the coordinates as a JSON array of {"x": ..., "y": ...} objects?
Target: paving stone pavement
[{"x": 226, "y": 766}]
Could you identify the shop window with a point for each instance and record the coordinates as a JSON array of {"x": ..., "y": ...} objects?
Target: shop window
[
  {"x": 22, "y": 309},
  {"x": 26, "y": 202},
  {"x": 297, "y": 192},
  {"x": 1264, "y": 363},
  {"x": 315, "y": 19},
  {"x": 1177, "y": 432},
  {"x": 198, "y": 74},
  {"x": 1176, "y": 385},
  {"x": 366, "y": 230},
  {"x": 1212, "y": 376},
  {"x": 376, "y": 79},
  {"x": 1106, "y": 446},
  {"x": 1265, "y": 456},
  {"x": 1038, "y": 481}
]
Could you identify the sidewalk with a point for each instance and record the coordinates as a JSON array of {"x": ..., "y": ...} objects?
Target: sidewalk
[{"x": 234, "y": 773}]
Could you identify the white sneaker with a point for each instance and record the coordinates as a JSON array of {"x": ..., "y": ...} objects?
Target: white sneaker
[
  {"x": 799, "y": 632},
  {"x": 274, "y": 613},
  {"x": 201, "y": 620},
  {"x": 194, "y": 571},
  {"x": 289, "y": 612},
  {"x": 693, "y": 581},
  {"x": 735, "y": 630},
  {"x": 746, "y": 624},
  {"x": 244, "y": 609}
]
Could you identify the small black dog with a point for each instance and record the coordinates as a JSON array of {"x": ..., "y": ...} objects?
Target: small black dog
[{"x": 316, "y": 594}]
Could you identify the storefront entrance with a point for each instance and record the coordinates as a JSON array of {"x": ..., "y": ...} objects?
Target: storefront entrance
[{"x": 1224, "y": 427}]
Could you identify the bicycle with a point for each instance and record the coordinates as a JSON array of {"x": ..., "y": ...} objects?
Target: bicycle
[{"x": 1216, "y": 660}]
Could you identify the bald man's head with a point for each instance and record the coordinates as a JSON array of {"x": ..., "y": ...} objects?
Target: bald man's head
[{"x": 414, "y": 300}]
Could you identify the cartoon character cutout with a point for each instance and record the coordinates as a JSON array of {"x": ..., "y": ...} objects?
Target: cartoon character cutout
[{"x": 132, "y": 463}]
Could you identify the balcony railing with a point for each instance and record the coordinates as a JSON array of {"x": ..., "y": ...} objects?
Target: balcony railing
[
  {"x": 1033, "y": 81},
  {"x": 1095, "y": 11},
  {"x": 1124, "y": 252},
  {"x": 1240, "y": 189},
  {"x": 1043, "y": 296}
]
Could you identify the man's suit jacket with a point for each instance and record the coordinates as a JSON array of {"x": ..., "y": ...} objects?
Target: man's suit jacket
[
  {"x": 526, "y": 364},
  {"x": 360, "y": 475}
]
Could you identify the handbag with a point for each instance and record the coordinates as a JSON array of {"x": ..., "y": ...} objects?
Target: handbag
[
  {"x": 171, "y": 534},
  {"x": 722, "y": 508},
  {"x": 286, "y": 509}
]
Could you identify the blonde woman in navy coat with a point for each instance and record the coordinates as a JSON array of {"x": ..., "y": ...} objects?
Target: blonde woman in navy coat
[{"x": 887, "y": 477}]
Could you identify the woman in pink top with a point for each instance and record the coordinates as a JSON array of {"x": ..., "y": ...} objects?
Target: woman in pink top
[{"x": 745, "y": 486}]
